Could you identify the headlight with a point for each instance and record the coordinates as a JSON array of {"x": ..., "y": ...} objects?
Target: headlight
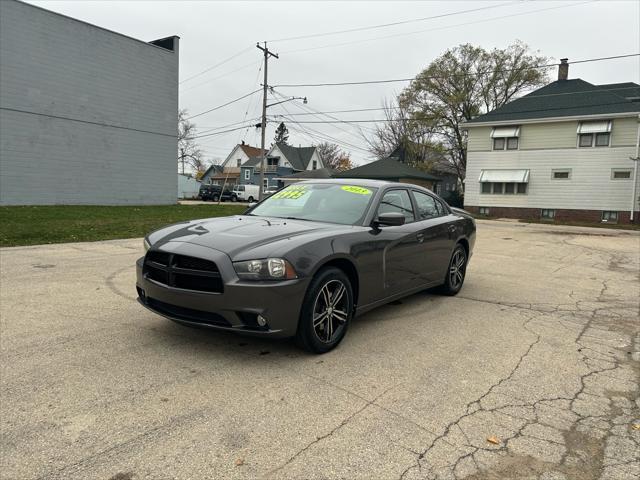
[
  {"x": 146, "y": 244},
  {"x": 265, "y": 269}
]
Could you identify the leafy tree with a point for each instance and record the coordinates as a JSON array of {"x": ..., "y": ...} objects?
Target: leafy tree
[
  {"x": 461, "y": 84},
  {"x": 282, "y": 134},
  {"x": 334, "y": 157},
  {"x": 189, "y": 154}
]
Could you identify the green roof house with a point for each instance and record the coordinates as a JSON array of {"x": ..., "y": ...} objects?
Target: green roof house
[{"x": 563, "y": 152}]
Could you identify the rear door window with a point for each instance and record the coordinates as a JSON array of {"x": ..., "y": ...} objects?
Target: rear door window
[{"x": 427, "y": 206}]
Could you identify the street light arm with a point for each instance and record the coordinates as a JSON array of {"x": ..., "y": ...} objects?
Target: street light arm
[{"x": 304, "y": 100}]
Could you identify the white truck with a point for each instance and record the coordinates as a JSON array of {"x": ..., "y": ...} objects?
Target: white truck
[{"x": 247, "y": 193}]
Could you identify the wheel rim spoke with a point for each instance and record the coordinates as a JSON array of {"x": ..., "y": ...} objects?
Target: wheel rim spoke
[
  {"x": 319, "y": 319},
  {"x": 329, "y": 329},
  {"x": 340, "y": 315},
  {"x": 338, "y": 294}
]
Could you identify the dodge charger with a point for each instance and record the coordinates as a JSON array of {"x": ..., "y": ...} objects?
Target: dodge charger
[{"x": 303, "y": 262}]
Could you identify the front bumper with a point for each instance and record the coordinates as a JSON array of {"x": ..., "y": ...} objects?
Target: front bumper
[{"x": 236, "y": 309}]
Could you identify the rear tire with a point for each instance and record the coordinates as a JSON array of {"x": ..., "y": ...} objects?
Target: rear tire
[
  {"x": 456, "y": 272},
  {"x": 326, "y": 311},
  {"x": 250, "y": 199},
  {"x": 215, "y": 198}
]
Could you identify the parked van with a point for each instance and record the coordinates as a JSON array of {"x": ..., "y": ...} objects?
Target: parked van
[{"x": 247, "y": 193}]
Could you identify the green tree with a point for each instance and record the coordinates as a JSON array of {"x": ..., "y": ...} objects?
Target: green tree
[
  {"x": 282, "y": 134},
  {"x": 461, "y": 84}
]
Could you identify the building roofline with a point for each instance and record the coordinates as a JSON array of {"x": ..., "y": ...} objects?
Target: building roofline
[
  {"x": 101, "y": 28},
  {"x": 550, "y": 119}
]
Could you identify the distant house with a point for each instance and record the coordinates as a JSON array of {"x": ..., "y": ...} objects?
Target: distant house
[
  {"x": 561, "y": 152},
  {"x": 320, "y": 173},
  {"x": 435, "y": 163},
  {"x": 392, "y": 170},
  {"x": 282, "y": 160},
  {"x": 229, "y": 170}
]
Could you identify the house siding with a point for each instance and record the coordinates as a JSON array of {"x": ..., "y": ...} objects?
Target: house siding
[
  {"x": 590, "y": 185},
  {"x": 88, "y": 116}
]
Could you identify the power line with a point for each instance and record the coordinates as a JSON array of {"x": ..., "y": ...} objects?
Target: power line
[
  {"x": 216, "y": 65},
  {"x": 220, "y": 133},
  {"x": 435, "y": 29},
  {"x": 243, "y": 122},
  {"x": 192, "y": 87},
  {"x": 225, "y": 104},
  {"x": 392, "y": 24},
  {"x": 395, "y": 80}
]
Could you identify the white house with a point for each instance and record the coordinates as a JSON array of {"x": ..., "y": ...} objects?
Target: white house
[{"x": 561, "y": 152}]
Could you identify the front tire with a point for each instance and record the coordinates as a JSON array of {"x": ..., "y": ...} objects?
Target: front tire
[
  {"x": 326, "y": 311},
  {"x": 215, "y": 198},
  {"x": 456, "y": 271}
]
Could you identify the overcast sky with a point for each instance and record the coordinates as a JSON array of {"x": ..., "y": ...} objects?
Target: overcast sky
[{"x": 211, "y": 32}]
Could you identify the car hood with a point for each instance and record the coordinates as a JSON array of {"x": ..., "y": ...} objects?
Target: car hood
[{"x": 238, "y": 234}]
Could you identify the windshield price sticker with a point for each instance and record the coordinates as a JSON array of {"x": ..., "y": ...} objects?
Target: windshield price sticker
[
  {"x": 291, "y": 193},
  {"x": 356, "y": 190}
]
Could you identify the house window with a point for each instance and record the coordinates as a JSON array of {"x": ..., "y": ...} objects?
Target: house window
[
  {"x": 610, "y": 217},
  {"x": 238, "y": 162},
  {"x": 505, "y": 138},
  {"x": 483, "y": 210},
  {"x": 548, "y": 214},
  {"x": 439, "y": 188},
  {"x": 594, "y": 134},
  {"x": 586, "y": 140},
  {"x": 247, "y": 174},
  {"x": 315, "y": 164},
  {"x": 500, "y": 188},
  {"x": 602, "y": 139},
  {"x": 561, "y": 174},
  {"x": 620, "y": 174}
]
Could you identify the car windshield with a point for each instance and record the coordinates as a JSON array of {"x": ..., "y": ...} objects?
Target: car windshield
[{"x": 321, "y": 202}]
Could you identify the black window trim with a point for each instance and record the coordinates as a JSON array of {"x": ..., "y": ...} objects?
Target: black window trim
[{"x": 447, "y": 210}]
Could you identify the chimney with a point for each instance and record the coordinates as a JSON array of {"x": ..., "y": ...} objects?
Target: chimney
[
  {"x": 563, "y": 69},
  {"x": 242, "y": 142}
]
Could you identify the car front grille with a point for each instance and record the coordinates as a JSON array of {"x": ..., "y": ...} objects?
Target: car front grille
[{"x": 181, "y": 271}]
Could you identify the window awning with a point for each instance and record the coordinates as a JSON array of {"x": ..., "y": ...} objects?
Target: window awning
[
  {"x": 500, "y": 132},
  {"x": 594, "y": 127},
  {"x": 507, "y": 176}
]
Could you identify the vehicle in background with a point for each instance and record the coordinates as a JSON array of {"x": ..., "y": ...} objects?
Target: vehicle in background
[
  {"x": 214, "y": 193},
  {"x": 247, "y": 193},
  {"x": 267, "y": 192}
]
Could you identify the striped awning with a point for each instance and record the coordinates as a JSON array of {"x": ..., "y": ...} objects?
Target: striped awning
[
  {"x": 504, "y": 176},
  {"x": 595, "y": 127},
  {"x": 508, "y": 132}
]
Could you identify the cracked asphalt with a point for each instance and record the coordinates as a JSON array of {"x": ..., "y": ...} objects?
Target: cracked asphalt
[{"x": 532, "y": 371}]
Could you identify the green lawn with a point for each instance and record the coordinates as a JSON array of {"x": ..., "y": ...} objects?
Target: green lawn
[{"x": 79, "y": 223}]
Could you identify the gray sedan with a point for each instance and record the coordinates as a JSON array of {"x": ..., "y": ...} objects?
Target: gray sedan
[{"x": 306, "y": 260}]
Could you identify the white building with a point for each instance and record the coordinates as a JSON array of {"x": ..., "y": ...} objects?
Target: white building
[
  {"x": 87, "y": 115},
  {"x": 562, "y": 152}
]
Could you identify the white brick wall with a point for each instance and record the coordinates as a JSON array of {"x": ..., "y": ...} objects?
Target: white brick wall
[{"x": 87, "y": 116}]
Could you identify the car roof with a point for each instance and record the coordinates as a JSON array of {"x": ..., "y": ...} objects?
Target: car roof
[{"x": 363, "y": 182}]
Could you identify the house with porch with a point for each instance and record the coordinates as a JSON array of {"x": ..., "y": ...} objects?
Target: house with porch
[
  {"x": 281, "y": 160},
  {"x": 393, "y": 170},
  {"x": 567, "y": 151},
  {"x": 229, "y": 170}
]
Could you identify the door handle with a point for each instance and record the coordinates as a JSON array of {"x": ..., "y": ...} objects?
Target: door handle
[
  {"x": 452, "y": 228},
  {"x": 420, "y": 237}
]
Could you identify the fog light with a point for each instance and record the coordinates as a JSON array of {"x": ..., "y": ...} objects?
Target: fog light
[{"x": 262, "y": 321}]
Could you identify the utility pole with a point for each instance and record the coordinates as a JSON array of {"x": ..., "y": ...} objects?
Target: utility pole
[{"x": 265, "y": 87}]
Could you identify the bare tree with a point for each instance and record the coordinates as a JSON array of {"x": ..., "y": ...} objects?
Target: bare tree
[
  {"x": 189, "y": 154},
  {"x": 334, "y": 157}
]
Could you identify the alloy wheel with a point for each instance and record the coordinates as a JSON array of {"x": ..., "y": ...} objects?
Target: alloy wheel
[
  {"x": 330, "y": 311},
  {"x": 457, "y": 269}
]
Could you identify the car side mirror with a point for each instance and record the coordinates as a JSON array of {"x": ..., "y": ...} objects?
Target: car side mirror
[{"x": 390, "y": 219}]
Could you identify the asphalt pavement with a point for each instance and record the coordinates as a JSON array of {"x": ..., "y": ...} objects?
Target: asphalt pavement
[{"x": 532, "y": 371}]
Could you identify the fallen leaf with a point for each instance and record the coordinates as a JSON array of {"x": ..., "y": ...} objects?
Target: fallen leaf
[
  {"x": 635, "y": 426},
  {"x": 239, "y": 461},
  {"x": 493, "y": 439}
]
